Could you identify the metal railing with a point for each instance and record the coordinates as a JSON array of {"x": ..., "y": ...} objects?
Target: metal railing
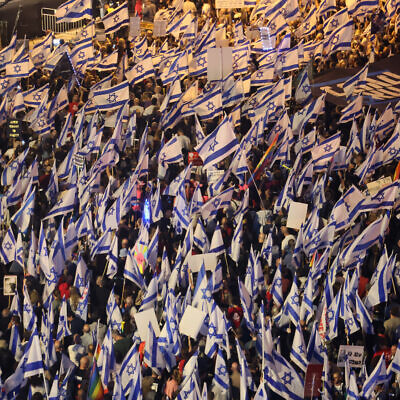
[{"x": 48, "y": 19}]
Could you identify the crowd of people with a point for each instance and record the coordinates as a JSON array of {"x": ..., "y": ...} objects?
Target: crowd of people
[{"x": 177, "y": 205}]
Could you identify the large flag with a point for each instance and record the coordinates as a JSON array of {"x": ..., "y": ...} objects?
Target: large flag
[
  {"x": 218, "y": 145},
  {"x": 116, "y": 19},
  {"x": 74, "y": 10},
  {"x": 112, "y": 98}
]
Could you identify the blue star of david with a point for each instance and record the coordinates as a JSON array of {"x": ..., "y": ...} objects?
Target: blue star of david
[
  {"x": 80, "y": 281},
  {"x": 278, "y": 282},
  {"x": 111, "y": 211},
  {"x": 4, "y": 84},
  {"x": 330, "y": 315},
  {"x": 116, "y": 18},
  {"x": 301, "y": 112},
  {"x": 8, "y": 246},
  {"x": 393, "y": 151},
  {"x": 81, "y": 54},
  {"x": 168, "y": 63},
  {"x": 306, "y": 88},
  {"x": 130, "y": 369},
  {"x": 27, "y": 308},
  {"x": 350, "y": 322},
  {"x": 271, "y": 106},
  {"x": 212, "y": 330},
  {"x": 59, "y": 202},
  {"x": 84, "y": 33},
  {"x": 283, "y": 59},
  {"x": 186, "y": 394},
  {"x": 66, "y": 9},
  {"x": 139, "y": 69},
  {"x": 173, "y": 325},
  {"x": 14, "y": 165},
  {"x": 328, "y": 147},
  {"x": 287, "y": 378},
  {"x": 305, "y": 141},
  {"x": 162, "y": 158},
  {"x": 259, "y": 74},
  {"x": 17, "y": 68},
  {"x": 222, "y": 370},
  {"x": 110, "y": 307},
  {"x": 301, "y": 350},
  {"x": 62, "y": 392},
  {"x": 40, "y": 56},
  {"x": 112, "y": 98},
  {"x": 217, "y": 201},
  {"x": 253, "y": 102},
  {"x": 380, "y": 197},
  {"x": 316, "y": 239},
  {"x": 321, "y": 348},
  {"x": 2, "y": 58},
  {"x": 307, "y": 26},
  {"x": 236, "y": 57},
  {"x": 272, "y": 25},
  {"x": 89, "y": 103},
  {"x": 153, "y": 203},
  {"x": 90, "y": 144},
  {"x": 206, "y": 296},
  {"x": 295, "y": 300},
  {"x": 115, "y": 325},
  {"x": 334, "y": 23},
  {"x": 41, "y": 123},
  {"x": 210, "y": 106},
  {"x": 37, "y": 97},
  {"x": 80, "y": 308},
  {"x": 53, "y": 276},
  {"x": 201, "y": 62},
  {"x": 213, "y": 145}
]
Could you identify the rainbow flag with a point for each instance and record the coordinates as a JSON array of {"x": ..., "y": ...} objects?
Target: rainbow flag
[
  {"x": 397, "y": 172},
  {"x": 95, "y": 391},
  {"x": 261, "y": 165}
]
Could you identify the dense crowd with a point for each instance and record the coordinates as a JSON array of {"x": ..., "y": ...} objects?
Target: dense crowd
[{"x": 142, "y": 201}]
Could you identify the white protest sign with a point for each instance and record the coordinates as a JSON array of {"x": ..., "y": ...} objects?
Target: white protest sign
[
  {"x": 214, "y": 175},
  {"x": 195, "y": 261},
  {"x": 219, "y": 63},
  {"x": 191, "y": 322},
  {"x": 9, "y": 285},
  {"x": 134, "y": 26},
  {"x": 354, "y": 354},
  {"x": 160, "y": 28},
  {"x": 375, "y": 186},
  {"x": 142, "y": 320},
  {"x": 297, "y": 215},
  {"x": 266, "y": 39},
  {"x": 229, "y": 4}
]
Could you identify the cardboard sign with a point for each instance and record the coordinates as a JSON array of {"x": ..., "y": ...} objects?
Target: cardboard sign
[
  {"x": 229, "y": 4},
  {"x": 79, "y": 160},
  {"x": 134, "y": 26},
  {"x": 159, "y": 28},
  {"x": 297, "y": 215},
  {"x": 191, "y": 322},
  {"x": 194, "y": 158},
  {"x": 195, "y": 261},
  {"x": 313, "y": 380},
  {"x": 354, "y": 354},
  {"x": 9, "y": 285},
  {"x": 142, "y": 320},
  {"x": 214, "y": 175},
  {"x": 219, "y": 63},
  {"x": 266, "y": 38},
  {"x": 375, "y": 186}
]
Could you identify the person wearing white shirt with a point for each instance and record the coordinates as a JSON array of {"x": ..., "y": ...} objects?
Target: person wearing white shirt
[
  {"x": 76, "y": 350},
  {"x": 189, "y": 6}
]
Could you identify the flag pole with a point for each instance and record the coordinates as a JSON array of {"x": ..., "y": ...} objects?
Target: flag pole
[
  {"x": 255, "y": 185},
  {"x": 45, "y": 386}
]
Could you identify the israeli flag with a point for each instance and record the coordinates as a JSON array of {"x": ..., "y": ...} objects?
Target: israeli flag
[
  {"x": 116, "y": 19},
  {"x": 7, "y": 54},
  {"x": 74, "y": 10},
  {"x": 112, "y": 98}
]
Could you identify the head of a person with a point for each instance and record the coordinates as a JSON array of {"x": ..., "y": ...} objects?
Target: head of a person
[
  {"x": 84, "y": 363},
  {"x": 77, "y": 339}
]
